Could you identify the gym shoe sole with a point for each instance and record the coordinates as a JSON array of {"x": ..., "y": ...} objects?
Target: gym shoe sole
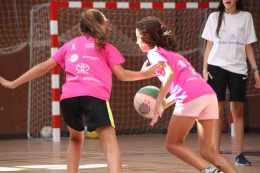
[{"x": 240, "y": 164}]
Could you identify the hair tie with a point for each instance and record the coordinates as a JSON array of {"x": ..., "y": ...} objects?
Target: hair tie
[{"x": 162, "y": 26}]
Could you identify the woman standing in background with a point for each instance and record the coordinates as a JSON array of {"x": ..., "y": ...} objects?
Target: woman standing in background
[{"x": 230, "y": 33}]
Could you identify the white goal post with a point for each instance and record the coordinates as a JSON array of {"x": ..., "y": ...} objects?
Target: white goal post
[
  {"x": 55, "y": 23},
  {"x": 75, "y": 4}
]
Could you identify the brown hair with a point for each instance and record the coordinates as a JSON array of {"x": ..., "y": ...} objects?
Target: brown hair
[
  {"x": 154, "y": 33},
  {"x": 221, "y": 9},
  {"x": 91, "y": 24}
]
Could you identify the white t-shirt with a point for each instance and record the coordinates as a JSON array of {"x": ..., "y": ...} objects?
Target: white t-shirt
[{"x": 228, "y": 51}]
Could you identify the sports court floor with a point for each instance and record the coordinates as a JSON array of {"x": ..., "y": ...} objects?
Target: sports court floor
[{"x": 144, "y": 154}]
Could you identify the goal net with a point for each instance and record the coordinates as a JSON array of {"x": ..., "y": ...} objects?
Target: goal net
[{"x": 187, "y": 21}]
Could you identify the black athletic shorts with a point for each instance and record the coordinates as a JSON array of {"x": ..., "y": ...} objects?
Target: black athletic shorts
[
  {"x": 223, "y": 80},
  {"x": 96, "y": 111}
]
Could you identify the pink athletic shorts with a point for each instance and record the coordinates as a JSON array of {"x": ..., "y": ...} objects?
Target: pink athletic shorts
[{"x": 203, "y": 108}]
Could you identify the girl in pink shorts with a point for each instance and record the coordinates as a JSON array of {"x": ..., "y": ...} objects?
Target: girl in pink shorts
[
  {"x": 202, "y": 108},
  {"x": 194, "y": 98}
]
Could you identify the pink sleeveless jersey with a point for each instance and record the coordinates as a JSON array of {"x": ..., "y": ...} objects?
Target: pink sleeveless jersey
[
  {"x": 88, "y": 69},
  {"x": 187, "y": 83}
]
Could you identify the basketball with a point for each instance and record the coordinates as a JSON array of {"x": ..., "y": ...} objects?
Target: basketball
[
  {"x": 46, "y": 132},
  {"x": 145, "y": 99},
  {"x": 92, "y": 135}
]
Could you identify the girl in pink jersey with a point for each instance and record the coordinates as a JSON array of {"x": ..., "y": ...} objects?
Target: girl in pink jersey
[
  {"x": 88, "y": 61},
  {"x": 194, "y": 98}
]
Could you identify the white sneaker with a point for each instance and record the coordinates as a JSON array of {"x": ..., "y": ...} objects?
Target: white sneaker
[{"x": 212, "y": 170}]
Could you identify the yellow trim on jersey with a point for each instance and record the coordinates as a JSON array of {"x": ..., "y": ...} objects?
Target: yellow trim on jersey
[{"x": 110, "y": 114}]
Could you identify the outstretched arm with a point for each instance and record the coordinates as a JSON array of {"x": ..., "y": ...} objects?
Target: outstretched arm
[
  {"x": 33, "y": 73},
  {"x": 127, "y": 75}
]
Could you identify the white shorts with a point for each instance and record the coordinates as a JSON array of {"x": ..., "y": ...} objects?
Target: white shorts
[{"x": 203, "y": 108}]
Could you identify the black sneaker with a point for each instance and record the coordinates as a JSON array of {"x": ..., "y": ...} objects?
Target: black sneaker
[{"x": 241, "y": 160}]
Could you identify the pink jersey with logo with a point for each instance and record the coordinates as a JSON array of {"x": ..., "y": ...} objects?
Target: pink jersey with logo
[
  {"x": 187, "y": 83},
  {"x": 88, "y": 69}
]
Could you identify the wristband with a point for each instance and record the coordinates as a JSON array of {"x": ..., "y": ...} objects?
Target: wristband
[{"x": 254, "y": 69}]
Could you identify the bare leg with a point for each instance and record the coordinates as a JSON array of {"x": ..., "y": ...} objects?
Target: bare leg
[
  {"x": 206, "y": 145},
  {"x": 107, "y": 136},
  {"x": 237, "y": 112},
  {"x": 74, "y": 150},
  {"x": 178, "y": 129},
  {"x": 218, "y": 126}
]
